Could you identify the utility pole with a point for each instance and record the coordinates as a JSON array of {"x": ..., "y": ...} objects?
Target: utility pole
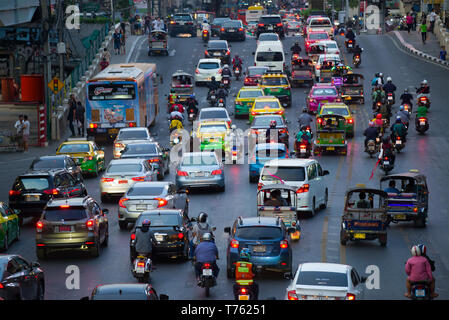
[
  {"x": 47, "y": 61},
  {"x": 112, "y": 13},
  {"x": 60, "y": 14}
]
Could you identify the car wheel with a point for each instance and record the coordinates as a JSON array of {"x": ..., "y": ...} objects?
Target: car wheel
[
  {"x": 41, "y": 253},
  {"x": 383, "y": 240},
  {"x": 123, "y": 225},
  {"x": 222, "y": 189},
  {"x": 252, "y": 179},
  {"x": 186, "y": 209},
  {"x": 168, "y": 168},
  {"x": 96, "y": 170},
  {"x": 106, "y": 238},
  {"x": 229, "y": 272},
  {"x": 161, "y": 175},
  {"x": 343, "y": 238},
  {"x": 326, "y": 198},
  {"x": 313, "y": 211},
  {"x": 95, "y": 250},
  {"x": 40, "y": 295},
  {"x": 5, "y": 243}
]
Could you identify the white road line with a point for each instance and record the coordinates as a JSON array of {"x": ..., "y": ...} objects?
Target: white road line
[{"x": 128, "y": 58}]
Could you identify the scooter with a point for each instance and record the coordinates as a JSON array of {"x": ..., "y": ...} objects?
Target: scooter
[
  {"x": 212, "y": 98},
  {"x": 422, "y": 125},
  {"x": 205, "y": 35},
  {"x": 357, "y": 60},
  {"x": 350, "y": 44},
  {"x": 399, "y": 143},
  {"x": 390, "y": 98},
  {"x": 420, "y": 290},
  {"x": 237, "y": 72},
  {"x": 423, "y": 100},
  {"x": 371, "y": 148},
  {"x": 226, "y": 80},
  {"x": 221, "y": 103},
  {"x": 191, "y": 115},
  {"x": 386, "y": 165},
  {"x": 207, "y": 278},
  {"x": 303, "y": 149},
  {"x": 142, "y": 267}
]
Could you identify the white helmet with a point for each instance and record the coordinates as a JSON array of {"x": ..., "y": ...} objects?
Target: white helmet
[
  {"x": 416, "y": 251},
  {"x": 424, "y": 81},
  {"x": 381, "y": 74},
  {"x": 389, "y": 79}
]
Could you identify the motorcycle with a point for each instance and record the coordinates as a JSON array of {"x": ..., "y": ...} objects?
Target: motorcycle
[
  {"x": 407, "y": 107},
  {"x": 350, "y": 44},
  {"x": 385, "y": 164},
  {"x": 424, "y": 101},
  {"x": 420, "y": 290},
  {"x": 357, "y": 60},
  {"x": 191, "y": 115},
  {"x": 399, "y": 144},
  {"x": 377, "y": 107},
  {"x": 371, "y": 148},
  {"x": 237, "y": 72},
  {"x": 221, "y": 103},
  {"x": 212, "y": 98},
  {"x": 422, "y": 125},
  {"x": 207, "y": 277},
  {"x": 390, "y": 98},
  {"x": 175, "y": 139},
  {"x": 303, "y": 149},
  {"x": 205, "y": 35},
  {"x": 142, "y": 267}
]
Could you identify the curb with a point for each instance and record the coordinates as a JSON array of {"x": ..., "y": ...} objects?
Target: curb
[{"x": 409, "y": 48}]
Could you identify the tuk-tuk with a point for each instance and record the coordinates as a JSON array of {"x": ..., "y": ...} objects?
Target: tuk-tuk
[
  {"x": 158, "y": 42},
  {"x": 352, "y": 88},
  {"x": 365, "y": 215},
  {"x": 337, "y": 75},
  {"x": 326, "y": 72},
  {"x": 412, "y": 201},
  {"x": 199, "y": 16},
  {"x": 330, "y": 134},
  {"x": 181, "y": 87},
  {"x": 284, "y": 208},
  {"x": 315, "y": 50},
  {"x": 301, "y": 72}
]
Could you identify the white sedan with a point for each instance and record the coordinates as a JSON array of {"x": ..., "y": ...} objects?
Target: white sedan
[
  {"x": 326, "y": 281},
  {"x": 331, "y": 46},
  {"x": 206, "y": 69}
]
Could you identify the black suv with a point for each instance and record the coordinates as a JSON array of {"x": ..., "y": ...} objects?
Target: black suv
[
  {"x": 270, "y": 23},
  {"x": 32, "y": 190},
  {"x": 182, "y": 23},
  {"x": 61, "y": 161},
  {"x": 218, "y": 49}
]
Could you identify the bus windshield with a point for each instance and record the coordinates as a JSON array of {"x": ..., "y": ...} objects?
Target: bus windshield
[{"x": 119, "y": 91}]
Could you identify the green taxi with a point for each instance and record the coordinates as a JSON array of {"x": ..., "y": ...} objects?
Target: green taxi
[
  {"x": 277, "y": 84},
  {"x": 212, "y": 135},
  {"x": 86, "y": 153},
  {"x": 9, "y": 226},
  {"x": 340, "y": 109},
  {"x": 245, "y": 99}
]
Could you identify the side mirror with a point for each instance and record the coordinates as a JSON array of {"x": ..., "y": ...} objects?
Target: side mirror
[
  {"x": 154, "y": 134},
  {"x": 106, "y": 211},
  {"x": 291, "y": 230},
  {"x": 214, "y": 228},
  {"x": 102, "y": 149},
  {"x": 227, "y": 230},
  {"x": 163, "y": 297},
  {"x": 85, "y": 298},
  {"x": 253, "y": 53},
  {"x": 36, "y": 265},
  {"x": 292, "y": 153},
  {"x": 325, "y": 173},
  {"x": 165, "y": 149},
  {"x": 363, "y": 280},
  {"x": 193, "y": 220}
]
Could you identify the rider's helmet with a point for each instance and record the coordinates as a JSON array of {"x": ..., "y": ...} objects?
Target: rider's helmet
[
  {"x": 245, "y": 254},
  {"x": 206, "y": 237},
  {"x": 192, "y": 96},
  {"x": 380, "y": 75},
  {"x": 212, "y": 78},
  {"x": 389, "y": 79},
  {"x": 424, "y": 82},
  {"x": 401, "y": 108},
  {"x": 423, "y": 249},
  {"x": 371, "y": 124},
  {"x": 225, "y": 66},
  {"x": 379, "y": 116},
  {"x": 297, "y": 43},
  {"x": 236, "y": 56},
  {"x": 202, "y": 217},
  {"x": 385, "y": 139},
  {"x": 416, "y": 251},
  {"x": 145, "y": 225},
  {"x": 304, "y": 109},
  {"x": 398, "y": 120},
  {"x": 405, "y": 90},
  {"x": 273, "y": 124},
  {"x": 175, "y": 108}
]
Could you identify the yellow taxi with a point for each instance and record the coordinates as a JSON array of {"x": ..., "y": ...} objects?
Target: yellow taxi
[
  {"x": 277, "y": 84},
  {"x": 340, "y": 109},
  {"x": 86, "y": 153},
  {"x": 245, "y": 98},
  {"x": 266, "y": 105},
  {"x": 212, "y": 134}
]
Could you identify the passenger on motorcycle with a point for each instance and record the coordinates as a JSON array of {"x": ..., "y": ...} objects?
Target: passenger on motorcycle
[
  {"x": 198, "y": 230},
  {"x": 178, "y": 106},
  {"x": 357, "y": 51},
  {"x": 191, "y": 104},
  {"x": 305, "y": 119},
  {"x": 389, "y": 87},
  {"x": 226, "y": 71},
  {"x": 417, "y": 269},
  {"x": 176, "y": 114},
  {"x": 236, "y": 62},
  {"x": 387, "y": 149},
  {"x": 378, "y": 95},
  {"x": 370, "y": 133},
  {"x": 378, "y": 77},
  {"x": 403, "y": 115},
  {"x": 272, "y": 132},
  {"x": 206, "y": 251},
  {"x": 350, "y": 34},
  {"x": 421, "y": 112},
  {"x": 378, "y": 122},
  {"x": 424, "y": 89},
  {"x": 144, "y": 240},
  {"x": 244, "y": 275},
  {"x": 406, "y": 98},
  {"x": 304, "y": 136},
  {"x": 296, "y": 48},
  {"x": 398, "y": 129}
]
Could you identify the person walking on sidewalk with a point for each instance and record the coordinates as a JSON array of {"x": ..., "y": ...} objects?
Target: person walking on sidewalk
[
  {"x": 443, "y": 53},
  {"x": 19, "y": 127},
  {"x": 123, "y": 43},
  {"x": 79, "y": 113},
  {"x": 117, "y": 41},
  {"x": 26, "y": 133},
  {"x": 107, "y": 55},
  {"x": 432, "y": 18},
  {"x": 409, "y": 21},
  {"x": 71, "y": 115},
  {"x": 423, "y": 29},
  {"x": 147, "y": 25}
]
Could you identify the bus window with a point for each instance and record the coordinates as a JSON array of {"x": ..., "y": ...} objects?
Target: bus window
[{"x": 120, "y": 91}]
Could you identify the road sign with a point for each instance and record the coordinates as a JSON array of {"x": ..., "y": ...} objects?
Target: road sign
[{"x": 55, "y": 85}]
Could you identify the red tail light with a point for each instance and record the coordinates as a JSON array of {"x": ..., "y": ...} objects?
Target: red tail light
[
  {"x": 51, "y": 191},
  {"x": 132, "y": 124},
  {"x": 420, "y": 119},
  {"x": 206, "y": 266},
  {"x": 304, "y": 188},
  {"x": 228, "y": 52},
  {"x": 320, "y": 120},
  {"x": 119, "y": 145},
  {"x": 206, "y": 53},
  {"x": 161, "y": 202},
  {"x": 182, "y": 173},
  {"x": 88, "y": 158},
  {"x": 240, "y": 29},
  {"x": 279, "y": 24},
  {"x": 260, "y": 25},
  {"x": 133, "y": 236},
  {"x": 65, "y": 206},
  {"x": 39, "y": 226},
  {"x": 243, "y": 291},
  {"x": 222, "y": 29},
  {"x": 398, "y": 138},
  {"x": 197, "y": 71},
  {"x": 220, "y": 71},
  {"x": 292, "y": 295},
  {"x": 93, "y": 125},
  {"x": 121, "y": 201},
  {"x": 107, "y": 179},
  {"x": 282, "y": 131},
  {"x": 217, "y": 172},
  {"x": 234, "y": 244},
  {"x": 14, "y": 192},
  {"x": 280, "y": 112},
  {"x": 234, "y": 153},
  {"x": 259, "y": 186},
  {"x": 350, "y": 296},
  {"x": 205, "y": 31},
  {"x": 154, "y": 160},
  {"x": 386, "y": 158},
  {"x": 141, "y": 264},
  {"x": 90, "y": 224},
  {"x": 180, "y": 236},
  {"x": 350, "y": 121},
  {"x": 284, "y": 244},
  {"x": 253, "y": 113},
  {"x": 303, "y": 146},
  {"x": 138, "y": 179}
]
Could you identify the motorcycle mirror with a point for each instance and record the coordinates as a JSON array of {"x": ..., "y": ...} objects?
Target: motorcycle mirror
[
  {"x": 287, "y": 121},
  {"x": 163, "y": 297},
  {"x": 363, "y": 279},
  {"x": 227, "y": 229}
]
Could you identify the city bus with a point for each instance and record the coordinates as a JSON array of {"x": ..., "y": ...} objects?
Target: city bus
[
  {"x": 120, "y": 96},
  {"x": 254, "y": 13}
]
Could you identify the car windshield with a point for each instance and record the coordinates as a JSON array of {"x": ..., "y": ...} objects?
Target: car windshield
[
  {"x": 263, "y": 56},
  {"x": 124, "y": 167},
  {"x": 66, "y": 214},
  {"x": 260, "y": 105},
  {"x": 274, "y": 81},
  {"x": 182, "y": 17},
  {"x": 324, "y": 92},
  {"x": 283, "y": 173},
  {"x": 209, "y": 128},
  {"x": 213, "y": 114},
  {"x": 48, "y": 164},
  {"x": 232, "y": 24},
  {"x": 145, "y": 191},
  {"x": 331, "y": 45},
  {"x": 265, "y": 121},
  {"x": 31, "y": 183},
  {"x": 217, "y": 45},
  {"x": 270, "y": 20},
  {"x": 322, "y": 278},
  {"x": 259, "y": 233},
  {"x": 140, "y": 149},
  {"x": 268, "y": 37},
  {"x": 254, "y": 72},
  {"x": 320, "y": 23},
  {"x": 197, "y": 160},
  {"x": 338, "y": 111},
  {"x": 75, "y": 148},
  {"x": 250, "y": 93},
  {"x": 162, "y": 220},
  {"x": 208, "y": 65},
  {"x": 318, "y": 36},
  {"x": 132, "y": 135}
]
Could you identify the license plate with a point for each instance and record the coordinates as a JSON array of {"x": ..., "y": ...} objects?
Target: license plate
[
  {"x": 422, "y": 123},
  {"x": 140, "y": 270},
  {"x": 350, "y": 45},
  {"x": 359, "y": 236},
  {"x": 212, "y": 97},
  {"x": 270, "y": 28},
  {"x": 303, "y": 150},
  {"x": 400, "y": 217},
  {"x": 122, "y": 181},
  {"x": 141, "y": 207},
  {"x": 259, "y": 249},
  {"x": 324, "y": 101},
  {"x": 231, "y": 30},
  {"x": 371, "y": 148},
  {"x": 386, "y": 163},
  {"x": 207, "y": 272},
  {"x": 159, "y": 237},
  {"x": 113, "y": 131},
  {"x": 199, "y": 174},
  {"x": 217, "y": 54},
  {"x": 31, "y": 198},
  {"x": 390, "y": 98},
  {"x": 420, "y": 293},
  {"x": 398, "y": 142},
  {"x": 330, "y": 148},
  {"x": 243, "y": 297},
  {"x": 65, "y": 228}
]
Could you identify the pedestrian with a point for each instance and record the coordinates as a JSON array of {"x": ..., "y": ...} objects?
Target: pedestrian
[
  {"x": 409, "y": 21},
  {"x": 103, "y": 64},
  {"x": 147, "y": 24},
  {"x": 432, "y": 18},
  {"x": 79, "y": 113},
  {"x": 72, "y": 111},
  {"x": 414, "y": 21},
  {"x": 122, "y": 23},
  {"x": 26, "y": 132},
  {"x": 131, "y": 24},
  {"x": 123, "y": 43},
  {"x": 137, "y": 25},
  {"x": 443, "y": 53},
  {"x": 19, "y": 127},
  {"x": 107, "y": 55},
  {"x": 423, "y": 28},
  {"x": 117, "y": 41}
]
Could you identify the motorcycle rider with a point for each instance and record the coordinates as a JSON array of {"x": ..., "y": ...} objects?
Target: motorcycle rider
[
  {"x": 398, "y": 129},
  {"x": 424, "y": 89},
  {"x": 421, "y": 112},
  {"x": 357, "y": 51},
  {"x": 213, "y": 86},
  {"x": 378, "y": 122},
  {"x": 244, "y": 274},
  {"x": 144, "y": 239},
  {"x": 392, "y": 187},
  {"x": 378, "y": 79},
  {"x": 304, "y": 135},
  {"x": 406, "y": 98},
  {"x": 177, "y": 105},
  {"x": 305, "y": 119},
  {"x": 206, "y": 251},
  {"x": 417, "y": 269},
  {"x": 191, "y": 104},
  {"x": 226, "y": 71},
  {"x": 370, "y": 133},
  {"x": 176, "y": 114},
  {"x": 296, "y": 48},
  {"x": 236, "y": 62},
  {"x": 350, "y": 35},
  {"x": 389, "y": 87},
  {"x": 198, "y": 230},
  {"x": 387, "y": 149},
  {"x": 404, "y": 115},
  {"x": 272, "y": 132}
]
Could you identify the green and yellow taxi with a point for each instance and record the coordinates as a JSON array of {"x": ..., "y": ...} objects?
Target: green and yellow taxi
[
  {"x": 277, "y": 84},
  {"x": 86, "y": 153},
  {"x": 212, "y": 135},
  {"x": 9, "y": 226},
  {"x": 266, "y": 105},
  {"x": 245, "y": 99},
  {"x": 339, "y": 109}
]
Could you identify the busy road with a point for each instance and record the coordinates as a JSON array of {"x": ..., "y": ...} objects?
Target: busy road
[{"x": 320, "y": 233}]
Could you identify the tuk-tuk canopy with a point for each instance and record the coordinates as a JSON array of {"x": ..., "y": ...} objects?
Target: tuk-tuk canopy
[
  {"x": 405, "y": 176},
  {"x": 317, "y": 48},
  {"x": 278, "y": 187},
  {"x": 181, "y": 78},
  {"x": 367, "y": 190},
  {"x": 302, "y": 62},
  {"x": 158, "y": 35},
  {"x": 330, "y": 121},
  {"x": 368, "y": 199},
  {"x": 351, "y": 79}
]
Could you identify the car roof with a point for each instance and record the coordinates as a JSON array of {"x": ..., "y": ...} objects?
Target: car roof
[
  {"x": 77, "y": 142},
  {"x": 42, "y": 172},
  {"x": 57, "y": 156},
  {"x": 267, "y": 98},
  {"x": 269, "y": 33},
  {"x": 198, "y": 153},
  {"x": 134, "y": 129},
  {"x": 212, "y": 122},
  {"x": 143, "y": 184},
  {"x": 162, "y": 211},
  {"x": 323, "y": 85},
  {"x": 214, "y": 109},
  {"x": 251, "y": 88},
  {"x": 76, "y": 201},
  {"x": 331, "y": 56},
  {"x": 127, "y": 160},
  {"x": 335, "y": 105},
  {"x": 257, "y": 221},
  {"x": 324, "y": 266},
  {"x": 265, "y": 146},
  {"x": 217, "y": 41},
  {"x": 209, "y": 60},
  {"x": 291, "y": 162},
  {"x": 268, "y": 116},
  {"x": 124, "y": 287},
  {"x": 271, "y": 45}
]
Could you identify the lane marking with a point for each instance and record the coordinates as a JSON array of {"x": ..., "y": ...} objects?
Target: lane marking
[{"x": 324, "y": 239}]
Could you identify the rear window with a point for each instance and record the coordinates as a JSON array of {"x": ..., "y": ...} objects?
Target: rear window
[
  {"x": 276, "y": 81},
  {"x": 75, "y": 148},
  {"x": 253, "y": 72},
  {"x": 263, "y": 56},
  {"x": 321, "y": 278},
  {"x": 338, "y": 111},
  {"x": 209, "y": 65},
  {"x": 162, "y": 220},
  {"x": 145, "y": 191},
  {"x": 47, "y": 164},
  {"x": 140, "y": 149},
  {"x": 283, "y": 173},
  {"x": 331, "y": 45},
  {"x": 132, "y": 135},
  {"x": 217, "y": 45},
  {"x": 31, "y": 183},
  {"x": 270, "y": 20},
  {"x": 215, "y": 114},
  {"x": 250, "y": 94},
  {"x": 318, "y": 36},
  {"x": 232, "y": 24},
  {"x": 220, "y": 20},
  {"x": 68, "y": 214},
  {"x": 211, "y": 128},
  {"x": 268, "y": 37},
  {"x": 324, "y": 92},
  {"x": 271, "y": 153},
  {"x": 196, "y": 160},
  {"x": 266, "y": 105},
  {"x": 123, "y": 296},
  {"x": 259, "y": 233},
  {"x": 320, "y": 23},
  {"x": 265, "y": 121},
  {"x": 122, "y": 167},
  {"x": 183, "y": 17}
]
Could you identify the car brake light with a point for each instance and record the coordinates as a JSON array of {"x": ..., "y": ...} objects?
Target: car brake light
[
  {"x": 93, "y": 125},
  {"x": 88, "y": 158},
  {"x": 14, "y": 192},
  {"x": 206, "y": 53},
  {"x": 284, "y": 244},
  {"x": 279, "y": 24},
  {"x": 172, "y": 22},
  {"x": 107, "y": 179},
  {"x": 205, "y": 31},
  {"x": 282, "y": 131},
  {"x": 39, "y": 226},
  {"x": 260, "y": 25},
  {"x": 154, "y": 160},
  {"x": 133, "y": 236},
  {"x": 220, "y": 71},
  {"x": 292, "y": 295},
  {"x": 259, "y": 186},
  {"x": 350, "y": 121},
  {"x": 318, "y": 67},
  {"x": 51, "y": 191},
  {"x": 240, "y": 29},
  {"x": 234, "y": 244},
  {"x": 197, "y": 71},
  {"x": 420, "y": 119},
  {"x": 182, "y": 173},
  {"x": 180, "y": 235},
  {"x": 228, "y": 52},
  {"x": 161, "y": 202},
  {"x": 119, "y": 145},
  {"x": 132, "y": 124},
  {"x": 139, "y": 179},
  {"x": 90, "y": 224},
  {"x": 304, "y": 188},
  {"x": 206, "y": 266},
  {"x": 64, "y": 206},
  {"x": 280, "y": 112},
  {"x": 350, "y": 296},
  {"x": 217, "y": 172},
  {"x": 222, "y": 29},
  {"x": 1, "y": 286},
  {"x": 120, "y": 203},
  {"x": 302, "y": 146}
]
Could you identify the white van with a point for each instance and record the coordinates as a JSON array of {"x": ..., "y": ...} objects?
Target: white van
[
  {"x": 304, "y": 174},
  {"x": 270, "y": 54}
]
